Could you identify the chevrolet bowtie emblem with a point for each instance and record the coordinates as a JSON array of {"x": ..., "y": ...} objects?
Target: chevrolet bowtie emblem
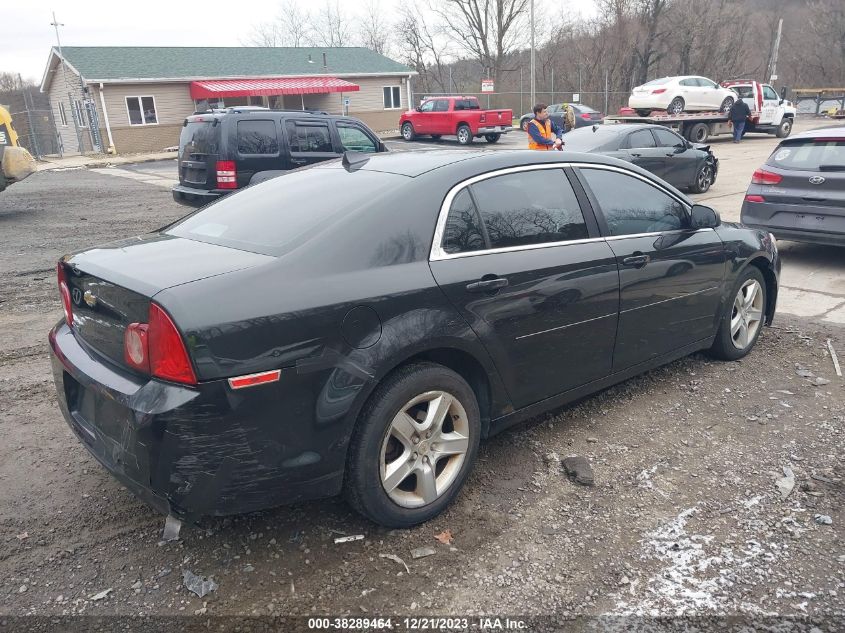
[{"x": 90, "y": 299}]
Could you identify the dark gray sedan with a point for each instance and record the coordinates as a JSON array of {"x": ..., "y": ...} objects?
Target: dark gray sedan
[
  {"x": 799, "y": 194},
  {"x": 690, "y": 166}
]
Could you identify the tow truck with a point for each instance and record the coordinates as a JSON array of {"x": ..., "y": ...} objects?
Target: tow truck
[
  {"x": 16, "y": 163},
  {"x": 770, "y": 114}
]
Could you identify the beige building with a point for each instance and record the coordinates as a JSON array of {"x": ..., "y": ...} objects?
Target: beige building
[{"x": 135, "y": 99}]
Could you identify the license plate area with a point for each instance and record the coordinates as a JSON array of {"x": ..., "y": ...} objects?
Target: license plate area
[{"x": 809, "y": 220}]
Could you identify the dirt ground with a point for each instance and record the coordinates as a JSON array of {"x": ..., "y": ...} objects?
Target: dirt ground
[{"x": 685, "y": 516}]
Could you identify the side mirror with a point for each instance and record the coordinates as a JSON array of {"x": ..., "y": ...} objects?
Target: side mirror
[
  {"x": 680, "y": 148},
  {"x": 418, "y": 108},
  {"x": 704, "y": 217}
]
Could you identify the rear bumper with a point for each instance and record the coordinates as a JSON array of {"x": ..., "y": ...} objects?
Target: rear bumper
[
  {"x": 194, "y": 451},
  {"x": 641, "y": 102},
  {"x": 817, "y": 225},
  {"x": 495, "y": 129},
  {"x": 196, "y": 197}
]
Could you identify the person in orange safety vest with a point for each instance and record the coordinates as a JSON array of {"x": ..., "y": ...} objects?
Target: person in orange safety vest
[{"x": 543, "y": 133}]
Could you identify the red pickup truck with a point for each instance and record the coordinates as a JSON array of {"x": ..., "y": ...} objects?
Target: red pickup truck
[{"x": 455, "y": 116}]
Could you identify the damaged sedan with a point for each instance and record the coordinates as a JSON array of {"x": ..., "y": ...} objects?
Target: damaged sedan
[{"x": 360, "y": 326}]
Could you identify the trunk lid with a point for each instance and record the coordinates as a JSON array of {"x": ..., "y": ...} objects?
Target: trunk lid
[
  {"x": 111, "y": 286},
  {"x": 812, "y": 172},
  {"x": 199, "y": 150}
]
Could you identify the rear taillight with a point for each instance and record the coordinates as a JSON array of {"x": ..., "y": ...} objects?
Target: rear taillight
[
  {"x": 136, "y": 347},
  {"x": 227, "y": 174},
  {"x": 586, "y": 117},
  {"x": 753, "y": 198},
  {"x": 659, "y": 91},
  {"x": 64, "y": 290},
  {"x": 763, "y": 177},
  {"x": 157, "y": 348}
]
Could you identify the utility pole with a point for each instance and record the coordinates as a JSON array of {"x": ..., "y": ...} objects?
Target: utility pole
[
  {"x": 773, "y": 69},
  {"x": 533, "y": 85},
  {"x": 56, "y": 24}
]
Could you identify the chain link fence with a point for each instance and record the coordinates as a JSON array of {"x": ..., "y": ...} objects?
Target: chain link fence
[
  {"x": 32, "y": 118},
  {"x": 607, "y": 102}
]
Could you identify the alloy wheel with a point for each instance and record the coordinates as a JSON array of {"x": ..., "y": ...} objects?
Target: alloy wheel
[
  {"x": 705, "y": 178},
  {"x": 747, "y": 314},
  {"x": 463, "y": 136},
  {"x": 424, "y": 449},
  {"x": 407, "y": 132}
]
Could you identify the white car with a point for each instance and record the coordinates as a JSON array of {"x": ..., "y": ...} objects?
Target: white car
[{"x": 681, "y": 94}]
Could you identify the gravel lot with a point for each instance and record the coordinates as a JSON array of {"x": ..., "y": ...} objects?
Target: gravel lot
[{"x": 685, "y": 517}]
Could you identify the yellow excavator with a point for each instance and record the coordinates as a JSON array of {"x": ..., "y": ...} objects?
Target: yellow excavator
[{"x": 15, "y": 162}]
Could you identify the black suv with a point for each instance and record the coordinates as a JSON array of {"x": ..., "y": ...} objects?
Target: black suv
[{"x": 223, "y": 150}]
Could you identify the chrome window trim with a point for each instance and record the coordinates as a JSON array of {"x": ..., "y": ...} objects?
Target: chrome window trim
[{"x": 438, "y": 254}]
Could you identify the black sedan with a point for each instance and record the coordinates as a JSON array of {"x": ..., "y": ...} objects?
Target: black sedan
[
  {"x": 661, "y": 151},
  {"x": 799, "y": 194},
  {"x": 584, "y": 115},
  {"x": 360, "y": 326}
]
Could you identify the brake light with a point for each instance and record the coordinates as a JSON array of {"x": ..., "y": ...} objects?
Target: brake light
[
  {"x": 585, "y": 116},
  {"x": 227, "y": 174},
  {"x": 157, "y": 348},
  {"x": 763, "y": 177},
  {"x": 753, "y": 198},
  {"x": 252, "y": 380},
  {"x": 64, "y": 291},
  {"x": 659, "y": 91}
]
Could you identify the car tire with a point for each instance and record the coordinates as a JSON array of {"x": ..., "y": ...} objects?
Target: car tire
[
  {"x": 383, "y": 438},
  {"x": 676, "y": 106},
  {"x": 643, "y": 112},
  {"x": 492, "y": 138},
  {"x": 408, "y": 132},
  {"x": 730, "y": 342},
  {"x": 703, "y": 179},
  {"x": 464, "y": 134},
  {"x": 698, "y": 133},
  {"x": 785, "y": 128},
  {"x": 727, "y": 104},
  {"x": 524, "y": 124}
]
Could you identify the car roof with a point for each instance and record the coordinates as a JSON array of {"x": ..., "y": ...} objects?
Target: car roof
[
  {"x": 836, "y": 131},
  {"x": 414, "y": 164}
]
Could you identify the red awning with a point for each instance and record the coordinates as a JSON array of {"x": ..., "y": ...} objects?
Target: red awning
[{"x": 269, "y": 87}]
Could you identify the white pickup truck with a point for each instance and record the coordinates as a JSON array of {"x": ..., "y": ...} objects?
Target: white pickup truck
[{"x": 770, "y": 114}]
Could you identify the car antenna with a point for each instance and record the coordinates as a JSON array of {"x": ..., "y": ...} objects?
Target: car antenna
[{"x": 353, "y": 161}]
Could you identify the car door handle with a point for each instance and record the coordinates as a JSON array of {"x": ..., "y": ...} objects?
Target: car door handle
[
  {"x": 637, "y": 155},
  {"x": 670, "y": 155},
  {"x": 814, "y": 199},
  {"x": 487, "y": 285},
  {"x": 637, "y": 261}
]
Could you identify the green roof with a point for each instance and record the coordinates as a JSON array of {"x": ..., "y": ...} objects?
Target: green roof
[{"x": 183, "y": 62}]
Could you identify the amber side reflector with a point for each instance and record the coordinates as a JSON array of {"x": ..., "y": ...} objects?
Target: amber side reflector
[{"x": 251, "y": 380}]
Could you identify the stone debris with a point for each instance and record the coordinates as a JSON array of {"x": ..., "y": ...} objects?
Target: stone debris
[
  {"x": 101, "y": 595},
  {"x": 197, "y": 584},
  {"x": 422, "y": 552},
  {"x": 786, "y": 483},
  {"x": 823, "y": 519},
  {"x": 396, "y": 559},
  {"x": 579, "y": 469}
]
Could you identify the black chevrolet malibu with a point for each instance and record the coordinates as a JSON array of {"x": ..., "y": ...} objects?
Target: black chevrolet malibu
[{"x": 361, "y": 325}]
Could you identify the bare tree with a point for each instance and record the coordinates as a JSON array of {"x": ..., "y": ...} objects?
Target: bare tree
[
  {"x": 330, "y": 26},
  {"x": 423, "y": 51},
  {"x": 488, "y": 30},
  {"x": 290, "y": 27},
  {"x": 374, "y": 30},
  {"x": 13, "y": 81}
]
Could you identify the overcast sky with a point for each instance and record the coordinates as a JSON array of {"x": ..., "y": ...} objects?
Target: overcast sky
[{"x": 28, "y": 36}]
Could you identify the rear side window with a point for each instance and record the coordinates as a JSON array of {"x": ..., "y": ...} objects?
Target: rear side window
[
  {"x": 631, "y": 206},
  {"x": 689, "y": 82},
  {"x": 308, "y": 137},
  {"x": 463, "y": 226},
  {"x": 257, "y": 137},
  {"x": 441, "y": 105},
  {"x": 466, "y": 104},
  {"x": 533, "y": 207},
  {"x": 641, "y": 138},
  {"x": 354, "y": 140},
  {"x": 810, "y": 154}
]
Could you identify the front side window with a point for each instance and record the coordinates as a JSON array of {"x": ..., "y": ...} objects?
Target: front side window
[
  {"x": 640, "y": 139},
  {"x": 354, "y": 139},
  {"x": 141, "y": 111},
  {"x": 257, "y": 137},
  {"x": 441, "y": 105},
  {"x": 392, "y": 97},
  {"x": 706, "y": 83},
  {"x": 533, "y": 207},
  {"x": 687, "y": 83},
  {"x": 428, "y": 106},
  {"x": 665, "y": 138},
  {"x": 463, "y": 226},
  {"x": 769, "y": 94},
  {"x": 309, "y": 137},
  {"x": 631, "y": 206}
]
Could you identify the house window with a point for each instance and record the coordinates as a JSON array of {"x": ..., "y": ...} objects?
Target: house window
[
  {"x": 79, "y": 113},
  {"x": 392, "y": 97},
  {"x": 62, "y": 114},
  {"x": 141, "y": 111}
]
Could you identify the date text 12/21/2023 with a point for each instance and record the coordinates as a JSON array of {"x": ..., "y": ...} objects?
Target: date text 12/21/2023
[{"x": 423, "y": 623}]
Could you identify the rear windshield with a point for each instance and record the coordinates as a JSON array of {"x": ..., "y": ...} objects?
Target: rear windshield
[
  {"x": 584, "y": 109},
  {"x": 585, "y": 140},
  {"x": 276, "y": 216},
  {"x": 658, "y": 82},
  {"x": 200, "y": 137},
  {"x": 810, "y": 154}
]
